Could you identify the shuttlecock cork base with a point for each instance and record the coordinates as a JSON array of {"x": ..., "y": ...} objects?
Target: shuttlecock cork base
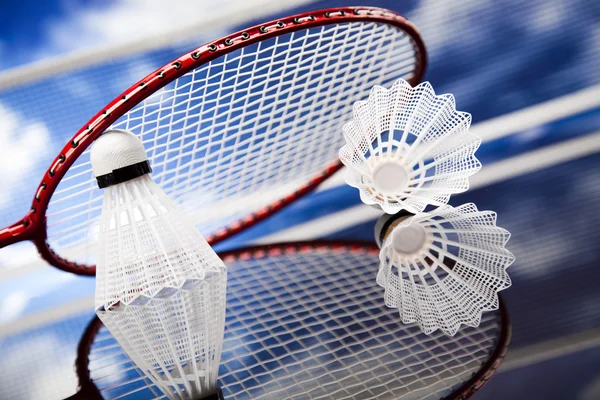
[
  {"x": 444, "y": 268},
  {"x": 118, "y": 156},
  {"x": 160, "y": 288}
]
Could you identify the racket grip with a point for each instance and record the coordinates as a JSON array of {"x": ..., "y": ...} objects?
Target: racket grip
[{"x": 14, "y": 233}]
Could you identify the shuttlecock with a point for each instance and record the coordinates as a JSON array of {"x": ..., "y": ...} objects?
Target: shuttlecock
[
  {"x": 443, "y": 269},
  {"x": 160, "y": 288},
  {"x": 407, "y": 148}
]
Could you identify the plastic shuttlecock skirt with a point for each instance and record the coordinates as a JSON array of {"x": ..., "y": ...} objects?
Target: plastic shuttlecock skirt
[
  {"x": 146, "y": 244},
  {"x": 407, "y": 148},
  {"x": 443, "y": 269}
]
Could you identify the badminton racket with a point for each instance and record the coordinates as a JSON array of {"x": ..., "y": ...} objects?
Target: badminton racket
[
  {"x": 303, "y": 322},
  {"x": 235, "y": 129}
]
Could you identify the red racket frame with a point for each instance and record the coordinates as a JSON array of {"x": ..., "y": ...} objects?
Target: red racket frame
[
  {"x": 33, "y": 225},
  {"x": 88, "y": 389}
]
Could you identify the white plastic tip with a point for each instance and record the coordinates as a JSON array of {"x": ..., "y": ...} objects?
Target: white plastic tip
[
  {"x": 116, "y": 149},
  {"x": 408, "y": 240},
  {"x": 390, "y": 177}
]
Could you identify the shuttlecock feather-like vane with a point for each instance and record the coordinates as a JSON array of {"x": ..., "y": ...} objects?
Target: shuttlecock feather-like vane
[
  {"x": 444, "y": 268},
  {"x": 160, "y": 288},
  {"x": 407, "y": 148}
]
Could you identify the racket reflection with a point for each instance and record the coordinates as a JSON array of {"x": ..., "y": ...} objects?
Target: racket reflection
[{"x": 304, "y": 321}]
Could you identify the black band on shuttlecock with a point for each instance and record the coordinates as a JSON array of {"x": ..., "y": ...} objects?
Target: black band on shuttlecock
[
  {"x": 384, "y": 222},
  {"x": 214, "y": 396},
  {"x": 124, "y": 174}
]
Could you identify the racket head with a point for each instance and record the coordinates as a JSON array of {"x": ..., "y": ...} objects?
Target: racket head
[
  {"x": 67, "y": 203},
  {"x": 307, "y": 320}
]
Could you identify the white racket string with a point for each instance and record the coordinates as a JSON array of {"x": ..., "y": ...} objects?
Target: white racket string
[
  {"x": 244, "y": 130},
  {"x": 304, "y": 325}
]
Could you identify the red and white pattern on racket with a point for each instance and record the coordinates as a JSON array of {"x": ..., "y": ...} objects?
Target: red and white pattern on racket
[
  {"x": 307, "y": 320},
  {"x": 235, "y": 130}
]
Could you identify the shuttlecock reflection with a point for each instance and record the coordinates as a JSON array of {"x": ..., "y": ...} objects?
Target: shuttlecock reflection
[{"x": 444, "y": 268}]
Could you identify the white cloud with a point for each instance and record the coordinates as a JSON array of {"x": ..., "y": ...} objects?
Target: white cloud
[
  {"x": 134, "y": 71},
  {"x": 12, "y": 306},
  {"x": 16, "y": 295},
  {"x": 436, "y": 20},
  {"x": 38, "y": 368},
  {"x": 23, "y": 144},
  {"x": 126, "y": 21},
  {"x": 18, "y": 254},
  {"x": 77, "y": 86},
  {"x": 549, "y": 17}
]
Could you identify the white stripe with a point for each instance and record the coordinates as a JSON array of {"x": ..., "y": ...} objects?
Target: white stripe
[
  {"x": 506, "y": 169},
  {"x": 518, "y": 121},
  {"x": 509, "y": 168},
  {"x": 525, "y": 356},
  {"x": 332, "y": 223},
  {"x": 323, "y": 226},
  {"x": 517, "y": 358},
  {"x": 537, "y": 159},
  {"x": 488, "y": 130},
  {"x": 238, "y": 14},
  {"x": 47, "y": 317},
  {"x": 516, "y": 166},
  {"x": 537, "y": 115}
]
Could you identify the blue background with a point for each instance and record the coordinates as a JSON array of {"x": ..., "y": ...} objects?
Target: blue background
[{"x": 496, "y": 58}]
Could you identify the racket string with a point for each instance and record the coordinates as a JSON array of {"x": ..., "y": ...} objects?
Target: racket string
[
  {"x": 297, "y": 326},
  {"x": 252, "y": 121}
]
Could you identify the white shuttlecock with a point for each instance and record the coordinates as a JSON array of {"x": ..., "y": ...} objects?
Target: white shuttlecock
[
  {"x": 443, "y": 269},
  {"x": 160, "y": 288},
  {"x": 407, "y": 148}
]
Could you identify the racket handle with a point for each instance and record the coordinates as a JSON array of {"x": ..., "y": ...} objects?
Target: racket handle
[{"x": 14, "y": 233}]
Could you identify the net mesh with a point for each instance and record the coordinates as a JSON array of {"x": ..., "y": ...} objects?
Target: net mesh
[
  {"x": 407, "y": 148},
  {"x": 454, "y": 275},
  {"x": 244, "y": 130},
  {"x": 305, "y": 325}
]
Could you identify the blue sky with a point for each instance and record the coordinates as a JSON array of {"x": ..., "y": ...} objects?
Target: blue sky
[
  {"x": 492, "y": 65},
  {"x": 495, "y": 57},
  {"x": 32, "y": 30},
  {"x": 25, "y": 26}
]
